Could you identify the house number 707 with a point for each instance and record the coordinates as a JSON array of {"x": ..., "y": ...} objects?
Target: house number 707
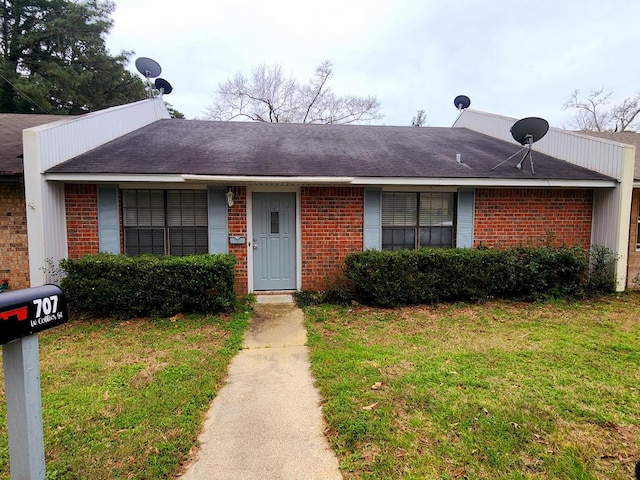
[{"x": 46, "y": 305}]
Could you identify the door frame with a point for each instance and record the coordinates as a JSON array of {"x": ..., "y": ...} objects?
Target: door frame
[{"x": 273, "y": 189}]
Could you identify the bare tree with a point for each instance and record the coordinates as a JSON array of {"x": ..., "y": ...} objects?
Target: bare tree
[
  {"x": 596, "y": 113},
  {"x": 270, "y": 96},
  {"x": 420, "y": 119}
]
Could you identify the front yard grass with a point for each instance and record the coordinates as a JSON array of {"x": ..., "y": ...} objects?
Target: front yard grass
[
  {"x": 126, "y": 399},
  {"x": 492, "y": 391}
]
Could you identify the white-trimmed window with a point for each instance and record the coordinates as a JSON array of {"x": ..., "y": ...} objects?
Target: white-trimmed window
[
  {"x": 173, "y": 222},
  {"x": 417, "y": 219}
]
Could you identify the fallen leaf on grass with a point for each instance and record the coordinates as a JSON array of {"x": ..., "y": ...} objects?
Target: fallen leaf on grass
[
  {"x": 612, "y": 457},
  {"x": 377, "y": 386},
  {"x": 373, "y": 406},
  {"x": 460, "y": 473}
]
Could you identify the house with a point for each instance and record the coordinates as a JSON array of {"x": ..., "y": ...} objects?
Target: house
[
  {"x": 612, "y": 207},
  {"x": 290, "y": 201},
  {"x": 630, "y": 138},
  {"x": 14, "y": 256}
]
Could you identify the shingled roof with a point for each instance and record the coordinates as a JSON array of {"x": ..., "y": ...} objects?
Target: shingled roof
[
  {"x": 11, "y": 127},
  {"x": 199, "y": 147}
]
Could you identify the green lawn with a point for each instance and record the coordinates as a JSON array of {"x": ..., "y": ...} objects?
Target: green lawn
[
  {"x": 492, "y": 391},
  {"x": 125, "y": 399}
]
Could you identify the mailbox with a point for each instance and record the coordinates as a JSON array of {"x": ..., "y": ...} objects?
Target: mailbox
[{"x": 31, "y": 310}]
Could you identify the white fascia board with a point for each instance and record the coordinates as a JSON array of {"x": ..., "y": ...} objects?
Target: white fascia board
[
  {"x": 378, "y": 181},
  {"x": 240, "y": 179},
  {"x": 486, "y": 182},
  {"x": 381, "y": 181},
  {"x": 111, "y": 178}
]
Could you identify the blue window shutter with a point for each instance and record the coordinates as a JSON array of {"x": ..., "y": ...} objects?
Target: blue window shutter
[
  {"x": 108, "y": 219},
  {"x": 218, "y": 220},
  {"x": 466, "y": 205},
  {"x": 372, "y": 219}
]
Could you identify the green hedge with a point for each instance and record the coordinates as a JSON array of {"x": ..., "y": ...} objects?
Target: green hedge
[
  {"x": 125, "y": 287},
  {"x": 430, "y": 276}
]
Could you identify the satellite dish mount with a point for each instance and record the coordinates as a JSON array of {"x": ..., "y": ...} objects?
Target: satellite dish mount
[
  {"x": 526, "y": 131},
  {"x": 149, "y": 69}
]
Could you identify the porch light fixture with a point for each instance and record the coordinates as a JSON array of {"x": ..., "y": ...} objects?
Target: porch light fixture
[{"x": 230, "y": 198}]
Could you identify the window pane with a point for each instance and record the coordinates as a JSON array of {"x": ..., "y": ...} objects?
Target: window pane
[
  {"x": 436, "y": 237},
  {"x": 436, "y": 208},
  {"x": 275, "y": 223},
  {"x": 187, "y": 208},
  {"x": 398, "y": 238},
  {"x": 188, "y": 241},
  {"x": 399, "y": 209},
  {"x": 143, "y": 208},
  {"x": 138, "y": 241}
]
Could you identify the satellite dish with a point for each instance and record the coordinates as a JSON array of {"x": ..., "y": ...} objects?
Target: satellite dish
[
  {"x": 148, "y": 67},
  {"x": 529, "y": 130},
  {"x": 461, "y": 102},
  {"x": 526, "y": 131},
  {"x": 163, "y": 86}
]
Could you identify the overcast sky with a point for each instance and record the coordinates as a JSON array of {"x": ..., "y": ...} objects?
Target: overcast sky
[{"x": 511, "y": 57}]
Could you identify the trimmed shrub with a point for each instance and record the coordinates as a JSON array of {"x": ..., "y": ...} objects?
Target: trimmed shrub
[
  {"x": 125, "y": 287},
  {"x": 428, "y": 276}
]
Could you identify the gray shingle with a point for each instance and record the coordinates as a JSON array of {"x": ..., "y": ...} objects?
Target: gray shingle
[
  {"x": 266, "y": 149},
  {"x": 11, "y": 126}
]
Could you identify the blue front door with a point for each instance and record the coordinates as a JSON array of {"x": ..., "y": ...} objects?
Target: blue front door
[{"x": 274, "y": 241}]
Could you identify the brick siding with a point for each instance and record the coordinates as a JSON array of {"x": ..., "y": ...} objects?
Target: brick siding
[
  {"x": 237, "y": 221},
  {"x": 510, "y": 217},
  {"x": 332, "y": 226},
  {"x": 81, "y": 206},
  {"x": 14, "y": 253},
  {"x": 633, "y": 266}
]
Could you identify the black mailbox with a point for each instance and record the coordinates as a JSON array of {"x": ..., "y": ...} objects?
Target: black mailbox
[{"x": 31, "y": 310}]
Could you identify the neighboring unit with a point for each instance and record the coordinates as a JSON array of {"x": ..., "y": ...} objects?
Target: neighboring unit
[
  {"x": 14, "y": 258},
  {"x": 629, "y": 138},
  {"x": 290, "y": 201}
]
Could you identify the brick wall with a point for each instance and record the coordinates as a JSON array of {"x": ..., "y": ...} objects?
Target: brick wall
[
  {"x": 633, "y": 266},
  {"x": 238, "y": 226},
  {"x": 14, "y": 251},
  {"x": 332, "y": 226},
  {"x": 511, "y": 217},
  {"x": 81, "y": 205}
]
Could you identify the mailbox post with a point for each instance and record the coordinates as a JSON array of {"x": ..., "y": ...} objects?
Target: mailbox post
[{"x": 24, "y": 313}]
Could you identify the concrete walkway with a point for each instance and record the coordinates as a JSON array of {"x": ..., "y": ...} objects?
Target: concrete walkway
[{"x": 266, "y": 422}]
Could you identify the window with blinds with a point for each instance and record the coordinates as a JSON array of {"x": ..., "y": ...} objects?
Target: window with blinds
[
  {"x": 160, "y": 222},
  {"x": 417, "y": 219}
]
